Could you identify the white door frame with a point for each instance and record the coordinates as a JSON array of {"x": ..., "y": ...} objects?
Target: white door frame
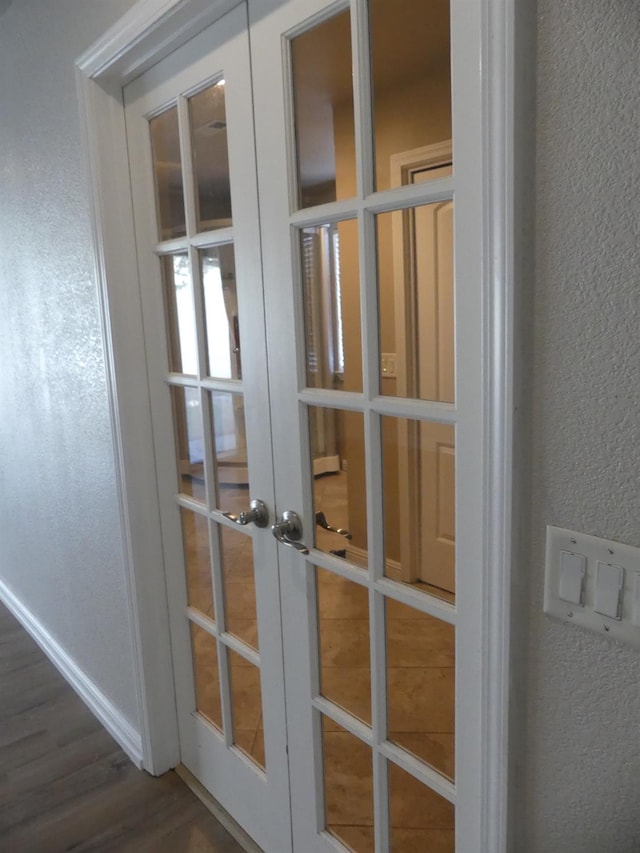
[{"x": 148, "y": 32}]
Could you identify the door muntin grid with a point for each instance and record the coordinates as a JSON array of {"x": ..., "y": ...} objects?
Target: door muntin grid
[
  {"x": 395, "y": 753},
  {"x": 204, "y": 383}
]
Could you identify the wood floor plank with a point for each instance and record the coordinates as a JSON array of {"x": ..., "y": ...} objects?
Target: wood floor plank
[{"x": 65, "y": 785}]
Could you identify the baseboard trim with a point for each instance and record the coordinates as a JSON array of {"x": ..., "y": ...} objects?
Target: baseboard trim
[
  {"x": 113, "y": 721},
  {"x": 392, "y": 568}
]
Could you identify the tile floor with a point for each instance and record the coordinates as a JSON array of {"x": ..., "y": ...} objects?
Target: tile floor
[{"x": 419, "y": 673}]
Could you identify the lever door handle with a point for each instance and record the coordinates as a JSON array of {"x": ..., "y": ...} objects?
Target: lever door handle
[
  {"x": 288, "y": 531},
  {"x": 321, "y": 521},
  {"x": 257, "y": 513}
]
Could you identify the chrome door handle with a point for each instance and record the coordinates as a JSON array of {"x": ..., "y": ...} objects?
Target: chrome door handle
[
  {"x": 289, "y": 531},
  {"x": 321, "y": 521},
  {"x": 257, "y": 513}
]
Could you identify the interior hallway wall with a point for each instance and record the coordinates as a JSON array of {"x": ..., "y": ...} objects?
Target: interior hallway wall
[
  {"x": 583, "y": 756},
  {"x": 61, "y": 552}
]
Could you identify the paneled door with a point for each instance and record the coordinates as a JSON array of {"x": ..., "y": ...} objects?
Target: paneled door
[
  {"x": 329, "y": 694},
  {"x": 190, "y": 132}
]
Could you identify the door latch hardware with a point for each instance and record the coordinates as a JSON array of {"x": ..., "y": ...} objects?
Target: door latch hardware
[
  {"x": 257, "y": 513},
  {"x": 321, "y": 521},
  {"x": 289, "y": 531}
]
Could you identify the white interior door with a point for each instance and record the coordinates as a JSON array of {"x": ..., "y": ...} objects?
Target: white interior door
[
  {"x": 327, "y": 700},
  {"x": 381, "y": 671},
  {"x": 190, "y": 132}
]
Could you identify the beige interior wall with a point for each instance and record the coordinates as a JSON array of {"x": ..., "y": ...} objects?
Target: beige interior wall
[{"x": 408, "y": 116}]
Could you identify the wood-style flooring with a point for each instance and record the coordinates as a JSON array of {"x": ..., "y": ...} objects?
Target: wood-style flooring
[{"x": 64, "y": 782}]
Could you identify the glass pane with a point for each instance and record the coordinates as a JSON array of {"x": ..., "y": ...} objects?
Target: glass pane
[
  {"x": 331, "y": 293},
  {"x": 189, "y": 437},
  {"x": 421, "y": 685},
  {"x": 239, "y": 585},
  {"x": 181, "y": 321},
  {"x": 419, "y": 504},
  {"x": 210, "y": 157},
  {"x": 246, "y": 704},
  {"x": 218, "y": 269},
  {"x": 416, "y": 306},
  {"x": 411, "y": 73},
  {"x": 420, "y": 818},
  {"x": 206, "y": 674},
  {"x": 345, "y": 667},
  {"x": 323, "y": 112},
  {"x": 230, "y": 444},
  {"x": 339, "y": 484},
  {"x": 167, "y": 170},
  {"x": 197, "y": 561},
  {"x": 348, "y": 787}
]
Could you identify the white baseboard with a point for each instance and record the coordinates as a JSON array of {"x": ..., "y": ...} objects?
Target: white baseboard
[
  {"x": 392, "y": 568},
  {"x": 113, "y": 721}
]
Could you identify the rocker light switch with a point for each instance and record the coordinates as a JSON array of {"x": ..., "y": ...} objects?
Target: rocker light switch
[
  {"x": 573, "y": 568},
  {"x": 608, "y": 595},
  {"x": 593, "y": 583}
]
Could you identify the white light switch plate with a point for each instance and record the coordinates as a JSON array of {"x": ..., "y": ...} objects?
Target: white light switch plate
[{"x": 594, "y": 550}]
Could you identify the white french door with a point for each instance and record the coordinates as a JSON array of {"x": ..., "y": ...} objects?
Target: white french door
[
  {"x": 328, "y": 696},
  {"x": 190, "y": 134}
]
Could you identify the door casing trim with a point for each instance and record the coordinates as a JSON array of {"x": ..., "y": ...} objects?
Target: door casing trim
[{"x": 148, "y": 32}]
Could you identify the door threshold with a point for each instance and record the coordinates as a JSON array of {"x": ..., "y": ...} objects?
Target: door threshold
[{"x": 222, "y": 815}]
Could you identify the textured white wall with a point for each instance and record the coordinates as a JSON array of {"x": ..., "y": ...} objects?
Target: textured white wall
[
  {"x": 583, "y": 742},
  {"x": 60, "y": 545}
]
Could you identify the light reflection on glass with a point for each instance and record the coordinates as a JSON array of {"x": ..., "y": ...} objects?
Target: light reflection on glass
[
  {"x": 323, "y": 111},
  {"x": 181, "y": 322},
  {"x": 208, "y": 118},
  {"x": 331, "y": 293},
  {"x": 167, "y": 170},
  {"x": 221, "y": 312}
]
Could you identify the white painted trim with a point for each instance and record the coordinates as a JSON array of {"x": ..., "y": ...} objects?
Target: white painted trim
[
  {"x": 144, "y": 35},
  {"x": 118, "y": 727},
  {"x": 508, "y": 45}
]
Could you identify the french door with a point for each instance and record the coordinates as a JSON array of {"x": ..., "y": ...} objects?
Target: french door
[{"x": 327, "y": 694}]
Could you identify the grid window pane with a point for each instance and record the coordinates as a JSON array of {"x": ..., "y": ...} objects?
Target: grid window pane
[
  {"x": 206, "y": 674},
  {"x": 410, "y": 65},
  {"x": 348, "y": 787},
  {"x": 323, "y": 111},
  {"x": 239, "y": 585},
  {"x": 331, "y": 294},
  {"x": 419, "y": 504},
  {"x": 189, "y": 439},
  {"x": 208, "y": 117},
  {"x": 343, "y": 626},
  {"x": 167, "y": 170},
  {"x": 246, "y": 703},
  {"x": 197, "y": 560},
  {"x": 421, "y": 685},
  {"x": 420, "y": 818}
]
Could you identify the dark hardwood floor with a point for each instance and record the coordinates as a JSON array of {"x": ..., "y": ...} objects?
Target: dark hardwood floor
[{"x": 64, "y": 782}]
